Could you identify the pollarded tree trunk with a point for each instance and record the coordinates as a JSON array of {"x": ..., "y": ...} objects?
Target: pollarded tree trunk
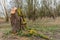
[{"x": 15, "y": 22}]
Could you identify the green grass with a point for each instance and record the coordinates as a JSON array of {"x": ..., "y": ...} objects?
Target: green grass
[
  {"x": 5, "y": 27},
  {"x": 46, "y": 28},
  {"x": 37, "y": 25}
]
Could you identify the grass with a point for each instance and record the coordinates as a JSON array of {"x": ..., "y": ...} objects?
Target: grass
[
  {"x": 5, "y": 27},
  {"x": 41, "y": 26},
  {"x": 46, "y": 28},
  {"x": 43, "y": 30},
  {"x": 44, "y": 25}
]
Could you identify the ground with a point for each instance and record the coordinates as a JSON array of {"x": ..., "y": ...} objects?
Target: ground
[{"x": 47, "y": 26}]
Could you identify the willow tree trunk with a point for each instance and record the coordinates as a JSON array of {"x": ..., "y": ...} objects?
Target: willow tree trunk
[{"x": 15, "y": 22}]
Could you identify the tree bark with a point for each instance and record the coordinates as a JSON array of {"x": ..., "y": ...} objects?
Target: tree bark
[{"x": 15, "y": 22}]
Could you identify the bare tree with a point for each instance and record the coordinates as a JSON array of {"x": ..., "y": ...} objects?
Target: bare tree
[{"x": 3, "y": 3}]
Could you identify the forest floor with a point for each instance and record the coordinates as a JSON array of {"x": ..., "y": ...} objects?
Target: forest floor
[{"x": 47, "y": 26}]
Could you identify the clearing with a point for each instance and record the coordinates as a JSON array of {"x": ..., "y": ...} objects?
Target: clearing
[{"x": 46, "y": 26}]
